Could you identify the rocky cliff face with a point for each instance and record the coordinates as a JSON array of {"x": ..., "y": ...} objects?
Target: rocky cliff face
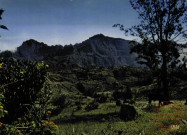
[
  {"x": 98, "y": 50},
  {"x": 34, "y": 50}
]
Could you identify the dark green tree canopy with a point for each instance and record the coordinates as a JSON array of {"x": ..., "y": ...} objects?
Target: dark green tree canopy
[
  {"x": 159, "y": 20},
  {"x": 162, "y": 27},
  {"x": 162, "y": 32}
]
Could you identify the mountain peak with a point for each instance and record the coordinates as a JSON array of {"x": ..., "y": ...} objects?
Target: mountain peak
[
  {"x": 98, "y": 50},
  {"x": 98, "y": 36},
  {"x": 31, "y": 42}
]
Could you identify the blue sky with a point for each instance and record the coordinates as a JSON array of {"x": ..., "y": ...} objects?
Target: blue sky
[{"x": 62, "y": 21}]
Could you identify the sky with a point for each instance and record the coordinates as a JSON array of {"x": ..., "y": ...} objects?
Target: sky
[{"x": 62, "y": 21}]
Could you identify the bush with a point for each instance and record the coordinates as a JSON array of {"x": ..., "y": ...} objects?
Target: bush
[
  {"x": 91, "y": 106},
  {"x": 27, "y": 96},
  {"x": 101, "y": 98},
  {"x": 78, "y": 105},
  {"x": 60, "y": 102},
  {"x": 80, "y": 87},
  {"x": 125, "y": 95},
  {"x": 118, "y": 102},
  {"x": 127, "y": 112},
  {"x": 22, "y": 82}
]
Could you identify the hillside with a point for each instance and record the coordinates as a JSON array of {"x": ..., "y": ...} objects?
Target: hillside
[{"x": 98, "y": 50}]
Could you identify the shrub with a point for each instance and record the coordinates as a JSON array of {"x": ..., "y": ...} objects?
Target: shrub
[
  {"x": 101, "y": 98},
  {"x": 78, "y": 105},
  {"x": 125, "y": 95},
  {"x": 29, "y": 101},
  {"x": 22, "y": 81},
  {"x": 127, "y": 112},
  {"x": 117, "y": 95},
  {"x": 91, "y": 106},
  {"x": 118, "y": 102},
  {"x": 60, "y": 102},
  {"x": 80, "y": 87}
]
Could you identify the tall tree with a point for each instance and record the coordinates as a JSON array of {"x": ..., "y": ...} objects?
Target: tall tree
[{"x": 162, "y": 31}]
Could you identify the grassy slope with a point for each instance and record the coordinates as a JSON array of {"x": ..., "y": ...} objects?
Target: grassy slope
[
  {"x": 144, "y": 124},
  {"x": 105, "y": 120}
]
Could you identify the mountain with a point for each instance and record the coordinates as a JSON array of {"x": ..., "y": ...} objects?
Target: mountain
[{"x": 98, "y": 50}]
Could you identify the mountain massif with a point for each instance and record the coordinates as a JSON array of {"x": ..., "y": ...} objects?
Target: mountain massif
[{"x": 98, "y": 50}]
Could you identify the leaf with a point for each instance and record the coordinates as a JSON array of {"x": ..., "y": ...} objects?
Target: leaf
[
  {"x": 3, "y": 27},
  {"x": 1, "y": 11}
]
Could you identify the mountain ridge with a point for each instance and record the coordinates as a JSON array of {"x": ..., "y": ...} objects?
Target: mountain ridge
[{"x": 98, "y": 50}]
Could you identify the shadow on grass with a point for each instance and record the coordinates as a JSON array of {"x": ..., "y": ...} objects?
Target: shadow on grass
[
  {"x": 88, "y": 118},
  {"x": 151, "y": 108}
]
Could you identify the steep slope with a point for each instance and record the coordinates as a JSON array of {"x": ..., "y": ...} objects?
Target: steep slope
[
  {"x": 34, "y": 50},
  {"x": 98, "y": 50}
]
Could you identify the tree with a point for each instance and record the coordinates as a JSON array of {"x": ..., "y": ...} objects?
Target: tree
[
  {"x": 162, "y": 33},
  {"x": 2, "y": 26}
]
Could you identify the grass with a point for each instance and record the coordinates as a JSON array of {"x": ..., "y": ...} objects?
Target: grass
[
  {"x": 105, "y": 120},
  {"x": 110, "y": 127}
]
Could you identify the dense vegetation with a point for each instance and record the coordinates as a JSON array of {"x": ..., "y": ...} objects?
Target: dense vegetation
[
  {"x": 25, "y": 95},
  {"x": 104, "y": 98},
  {"x": 161, "y": 31}
]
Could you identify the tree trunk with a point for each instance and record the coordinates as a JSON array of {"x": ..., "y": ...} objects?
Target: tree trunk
[{"x": 164, "y": 78}]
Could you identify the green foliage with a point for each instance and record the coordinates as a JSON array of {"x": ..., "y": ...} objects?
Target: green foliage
[
  {"x": 127, "y": 112},
  {"x": 38, "y": 117},
  {"x": 27, "y": 98},
  {"x": 91, "y": 106},
  {"x": 100, "y": 98},
  {"x": 125, "y": 95},
  {"x": 80, "y": 87},
  {"x": 23, "y": 80},
  {"x": 6, "y": 54},
  {"x": 24, "y": 126},
  {"x": 74, "y": 117},
  {"x": 118, "y": 102},
  {"x": 161, "y": 28},
  {"x": 92, "y": 123},
  {"x": 78, "y": 105},
  {"x": 60, "y": 101},
  {"x": 2, "y": 109},
  {"x": 182, "y": 131}
]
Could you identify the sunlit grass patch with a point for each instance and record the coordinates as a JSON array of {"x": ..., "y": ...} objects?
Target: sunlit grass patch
[
  {"x": 144, "y": 124},
  {"x": 169, "y": 116}
]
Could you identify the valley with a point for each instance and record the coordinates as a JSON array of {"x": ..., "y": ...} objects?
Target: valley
[{"x": 78, "y": 89}]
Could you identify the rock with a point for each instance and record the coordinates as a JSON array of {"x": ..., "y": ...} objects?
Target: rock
[{"x": 127, "y": 112}]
